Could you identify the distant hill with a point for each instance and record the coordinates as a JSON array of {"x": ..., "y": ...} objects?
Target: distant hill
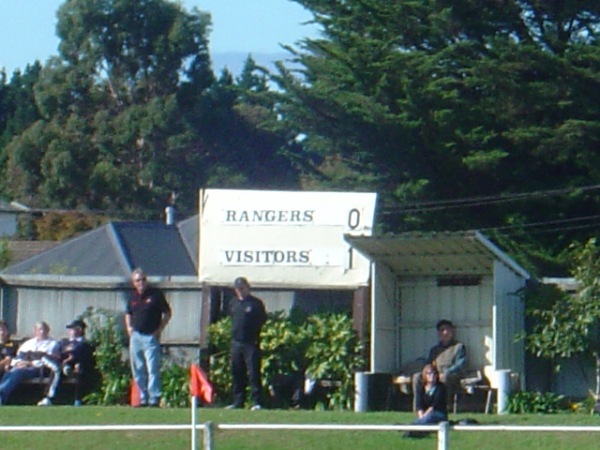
[{"x": 234, "y": 61}]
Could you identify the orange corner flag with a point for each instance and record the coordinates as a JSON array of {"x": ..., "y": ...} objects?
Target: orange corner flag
[
  {"x": 200, "y": 387},
  {"x": 134, "y": 394}
]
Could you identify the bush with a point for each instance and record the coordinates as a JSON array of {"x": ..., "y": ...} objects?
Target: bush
[
  {"x": 324, "y": 347},
  {"x": 535, "y": 402},
  {"x": 334, "y": 353},
  {"x": 175, "y": 384},
  {"x": 107, "y": 337}
]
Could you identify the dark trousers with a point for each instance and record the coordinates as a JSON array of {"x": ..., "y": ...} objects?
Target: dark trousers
[{"x": 245, "y": 365}]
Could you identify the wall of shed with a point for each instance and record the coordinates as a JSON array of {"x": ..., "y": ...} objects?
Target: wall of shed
[
  {"x": 576, "y": 378},
  {"x": 8, "y": 223},
  {"x": 509, "y": 320},
  {"x": 423, "y": 303},
  {"x": 60, "y": 303},
  {"x": 385, "y": 308}
]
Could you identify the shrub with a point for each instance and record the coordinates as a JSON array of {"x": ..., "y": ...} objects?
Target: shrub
[
  {"x": 108, "y": 339},
  {"x": 220, "y": 372},
  {"x": 323, "y": 347},
  {"x": 175, "y": 385},
  {"x": 334, "y": 353},
  {"x": 534, "y": 402}
]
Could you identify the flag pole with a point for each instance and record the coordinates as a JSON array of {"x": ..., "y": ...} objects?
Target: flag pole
[{"x": 193, "y": 403}]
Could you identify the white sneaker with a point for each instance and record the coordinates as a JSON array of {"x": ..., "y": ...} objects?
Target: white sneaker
[
  {"x": 45, "y": 402},
  {"x": 255, "y": 408}
]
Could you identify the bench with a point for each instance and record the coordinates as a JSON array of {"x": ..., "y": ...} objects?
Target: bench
[
  {"x": 471, "y": 382},
  {"x": 44, "y": 381},
  {"x": 74, "y": 381}
]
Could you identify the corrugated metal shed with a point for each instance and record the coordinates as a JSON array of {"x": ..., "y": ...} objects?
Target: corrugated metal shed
[
  {"x": 419, "y": 278},
  {"x": 417, "y": 254}
]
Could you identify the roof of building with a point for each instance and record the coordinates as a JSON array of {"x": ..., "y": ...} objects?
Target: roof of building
[
  {"x": 442, "y": 253},
  {"x": 12, "y": 207},
  {"x": 116, "y": 248},
  {"x": 22, "y": 250}
]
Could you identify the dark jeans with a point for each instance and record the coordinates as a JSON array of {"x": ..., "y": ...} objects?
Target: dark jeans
[
  {"x": 245, "y": 365},
  {"x": 12, "y": 378}
]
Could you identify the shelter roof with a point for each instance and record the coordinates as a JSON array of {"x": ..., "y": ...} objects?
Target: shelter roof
[
  {"x": 114, "y": 250},
  {"x": 434, "y": 254}
]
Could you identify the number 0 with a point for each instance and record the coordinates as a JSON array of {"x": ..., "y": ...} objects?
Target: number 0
[{"x": 354, "y": 219}]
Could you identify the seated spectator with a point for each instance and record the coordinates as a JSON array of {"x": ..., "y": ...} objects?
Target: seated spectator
[
  {"x": 448, "y": 356},
  {"x": 430, "y": 400},
  {"x": 37, "y": 357},
  {"x": 8, "y": 349},
  {"x": 77, "y": 358}
]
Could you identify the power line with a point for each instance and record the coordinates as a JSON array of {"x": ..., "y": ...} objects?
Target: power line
[
  {"x": 535, "y": 227},
  {"x": 467, "y": 202},
  {"x": 544, "y": 223}
]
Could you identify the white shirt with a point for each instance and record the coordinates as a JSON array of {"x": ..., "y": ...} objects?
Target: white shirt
[{"x": 48, "y": 346}]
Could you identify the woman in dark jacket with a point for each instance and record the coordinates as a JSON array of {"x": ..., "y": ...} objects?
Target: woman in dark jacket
[
  {"x": 430, "y": 401},
  {"x": 431, "y": 398}
]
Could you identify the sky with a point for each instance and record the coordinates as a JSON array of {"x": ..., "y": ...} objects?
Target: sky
[{"x": 239, "y": 27}]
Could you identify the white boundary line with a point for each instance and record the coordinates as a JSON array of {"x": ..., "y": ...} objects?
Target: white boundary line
[
  {"x": 173, "y": 427},
  {"x": 546, "y": 428},
  {"x": 270, "y": 426},
  {"x": 442, "y": 429}
]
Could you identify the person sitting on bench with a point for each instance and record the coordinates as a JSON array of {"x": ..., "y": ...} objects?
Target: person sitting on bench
[
  {"x": 77, "y": 357},
  {"x": 448, "y": 356},
  {"x": 36, "y": 357},
  {"x": 430, "y": 400}
]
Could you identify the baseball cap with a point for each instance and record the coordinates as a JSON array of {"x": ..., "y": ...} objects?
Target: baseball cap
[
  {"x": 77, "y": 323},
  {"x": 241, "y": 282},
  {"x": 444, "y": 322}
]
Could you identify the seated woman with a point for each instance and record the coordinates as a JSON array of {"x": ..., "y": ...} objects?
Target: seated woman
[{"x": 430, "y": 400}]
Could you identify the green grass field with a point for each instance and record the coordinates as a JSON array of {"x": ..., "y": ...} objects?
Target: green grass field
[{"x": 276, "y": 439}]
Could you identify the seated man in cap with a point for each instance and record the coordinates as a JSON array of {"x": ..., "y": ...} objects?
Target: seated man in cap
[
  {"x": 77, "y": 357},
  {"x": 448, "y": 356}
]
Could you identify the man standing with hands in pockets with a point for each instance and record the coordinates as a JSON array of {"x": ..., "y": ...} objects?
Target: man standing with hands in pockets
[
  {"x": 146, "y": 316},
  {"x": 248, "y": 315}
]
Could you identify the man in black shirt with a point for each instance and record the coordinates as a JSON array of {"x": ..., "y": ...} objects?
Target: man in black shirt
[
  {"x": 146, "y": 316},
  {"x": 248, "y": 315}
]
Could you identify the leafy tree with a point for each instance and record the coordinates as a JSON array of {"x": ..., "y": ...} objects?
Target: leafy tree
[
  {"x": 436, "y": 101},
  {"x": 565, "y": 324},
  {"x": 5, "y": 254},
  {"x": 132, "y": 116},
  {"x": 18, "y": 109},
  {"x": 56, "y": 226}
]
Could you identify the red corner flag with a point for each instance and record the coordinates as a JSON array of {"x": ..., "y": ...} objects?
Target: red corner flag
[
  {"x": 200, "y": 387},
  {"x": 134, "y": 394}
]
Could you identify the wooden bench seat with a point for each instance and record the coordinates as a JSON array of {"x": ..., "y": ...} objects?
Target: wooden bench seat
[{"x": 45, "y": 380}]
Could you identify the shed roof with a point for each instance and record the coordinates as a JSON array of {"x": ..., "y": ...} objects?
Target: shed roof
[
  {"x": 114, "y": 250},
  {"x": 12, "y": 207},
  {"x": 446, "y": 253}
]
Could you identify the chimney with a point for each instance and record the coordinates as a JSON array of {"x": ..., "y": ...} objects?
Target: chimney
[{"x": 170, "y": 215}]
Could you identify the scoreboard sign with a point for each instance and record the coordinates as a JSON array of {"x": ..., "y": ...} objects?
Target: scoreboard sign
[{"x": 283, "y": 238}]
